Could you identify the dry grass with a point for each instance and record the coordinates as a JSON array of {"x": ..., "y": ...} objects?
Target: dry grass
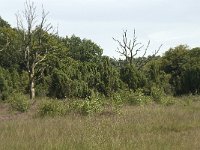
[{"x": 138, "y": 127}]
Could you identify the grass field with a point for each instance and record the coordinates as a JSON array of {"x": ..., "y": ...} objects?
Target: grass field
[{"x": 137, "y": 127}]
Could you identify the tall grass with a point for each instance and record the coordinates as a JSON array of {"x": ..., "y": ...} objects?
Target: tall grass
[{"x": 137, "y": 127}]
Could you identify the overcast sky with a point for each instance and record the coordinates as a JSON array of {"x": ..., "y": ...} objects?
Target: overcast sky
[{"x": 167, "y": 22}]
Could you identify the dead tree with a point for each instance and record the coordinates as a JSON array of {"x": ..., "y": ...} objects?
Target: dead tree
[
  {"x": 130, "y": 48},
  {"x": 32, "y": 33}
]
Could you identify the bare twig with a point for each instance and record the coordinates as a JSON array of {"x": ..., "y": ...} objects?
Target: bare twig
[{"x": 130, "y": 48}]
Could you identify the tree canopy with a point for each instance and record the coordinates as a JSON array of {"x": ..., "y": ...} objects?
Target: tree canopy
[{"x": 33, "y": 59}]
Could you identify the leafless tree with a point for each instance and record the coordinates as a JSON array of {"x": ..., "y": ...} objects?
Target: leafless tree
[
  {"x": 32, "y": 32},
  {"x": 130, "y": 48}
]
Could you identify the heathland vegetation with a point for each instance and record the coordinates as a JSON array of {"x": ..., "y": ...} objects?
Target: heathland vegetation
[{"x": 96, "y": 102}]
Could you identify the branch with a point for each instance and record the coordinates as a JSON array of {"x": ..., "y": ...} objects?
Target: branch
[
  {"x": 145, "y": 51},
  {"x": 39, "y": 61},
  {"x": 143, "y": 63},
  {"x": 137, "y": 50},
  {"x": 156, "y": 51},
  {"x": 7, "y": 44},
  {"x": 124, "y": 49}
]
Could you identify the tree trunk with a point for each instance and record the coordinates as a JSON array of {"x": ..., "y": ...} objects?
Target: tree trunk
[
  {"x": 32, "y": 83},
  {"x": 32, "y": 89}
]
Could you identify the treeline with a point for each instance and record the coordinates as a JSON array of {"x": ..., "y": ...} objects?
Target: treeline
[{"x": 76, "y": 68}]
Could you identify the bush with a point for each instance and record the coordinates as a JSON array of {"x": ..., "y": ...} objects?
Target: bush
[
  {"x": 117, "y": 103},
  {"x": 19, "y": 102},
  {"x": 138, "y": 98},
  {"x": 157, "y": 94},
  {"x": 4, "y": 84},
  {"x": 87, "y": 106},
  {"x": 52, "y": 108},
  {"x": 168, "y": 101}
]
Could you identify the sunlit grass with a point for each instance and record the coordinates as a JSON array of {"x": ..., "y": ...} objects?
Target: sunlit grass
[{"x": 137, "y": 127}]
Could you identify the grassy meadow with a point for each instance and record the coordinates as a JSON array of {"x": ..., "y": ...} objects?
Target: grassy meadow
[{"x": 145, "y": 127}]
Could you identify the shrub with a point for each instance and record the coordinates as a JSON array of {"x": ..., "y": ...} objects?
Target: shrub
[
  {"x": 52, "y": 108},
  {"x": 157, "y": 94},
  {"x": 19, "y": 102},
  {"x": 168, "y": 101},
  {"x": 87, "y": 106},
  {"x": 4, "y": 84},
  {"x": 117, "y": 103},
  {"x": 138, "y": 98}
]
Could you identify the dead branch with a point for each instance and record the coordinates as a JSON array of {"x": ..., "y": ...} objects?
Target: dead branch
[
  {"x": 130, "y": 48},
  {"x": 142, "y": 63}
]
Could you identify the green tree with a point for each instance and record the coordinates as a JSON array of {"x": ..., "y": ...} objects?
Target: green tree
[
  {"x": 173, "y": 63},
  {"x": 191, "y": 72},
  {"x": 9, "y": 48},
  {"x": 83, "y": 50},
  {"x": 109, "y": 77},
  {"x": 133, "y": 77},
  {"x": 4, "y": 23}
]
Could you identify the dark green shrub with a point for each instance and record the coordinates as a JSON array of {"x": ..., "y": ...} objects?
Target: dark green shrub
[
  {"x": 4, "y": 84},
  {"x": 132, "y": 77},
  {"x": 19, "y": 102}
]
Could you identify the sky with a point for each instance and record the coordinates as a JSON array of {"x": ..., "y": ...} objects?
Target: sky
[{"x": 167, "y": 22}]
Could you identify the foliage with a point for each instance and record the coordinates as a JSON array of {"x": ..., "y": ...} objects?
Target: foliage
[
  {"x": 5, "y": 87},
  {"x": 132, "y": 77},
  {"x": 157, "y": 94},
  {"x": 19, "y": 102},
  {"x": 52, "y": 108},
  {"x": 173, "y": 62},
  {"x": 138, "y": 98},
  {"x": 109, "y": 81},
  {"x": 183, "y": 65},
  {"x": 117, "y": 102},
  {"x": 83, "y": 50},
  {"x": 3, "y": 23},
  {"x": 71, "y": 67},
  {"x": 87, "y": 106},
  {"x": 9, "y": 48}
]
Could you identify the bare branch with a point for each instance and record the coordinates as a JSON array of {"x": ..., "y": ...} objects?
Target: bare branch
[
  {"x": 40, "y": 60},
  {"x": 156, "y": 51},
  {"x": 144, "y": 62},
  {"x": 145, "y": 51},
  {"x": 137, "y": 50},
  {"x": 130, "y": 48}
]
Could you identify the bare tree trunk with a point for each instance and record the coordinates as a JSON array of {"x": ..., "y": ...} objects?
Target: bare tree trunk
[{"x": 32, "y": 84}]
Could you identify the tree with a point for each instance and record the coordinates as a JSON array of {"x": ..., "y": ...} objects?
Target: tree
[
  {"x": 173, "y": 63},
  {"x": 3, "y": 23},
  {"x": 9, "y": 54},
  {"x": 34, "y": 41},
  {"x": 191, "y": 72},
  {"x": 133, "y": 77},
  {"x": 130, "y": 48},
  {"x": 83, "y": 50}
]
